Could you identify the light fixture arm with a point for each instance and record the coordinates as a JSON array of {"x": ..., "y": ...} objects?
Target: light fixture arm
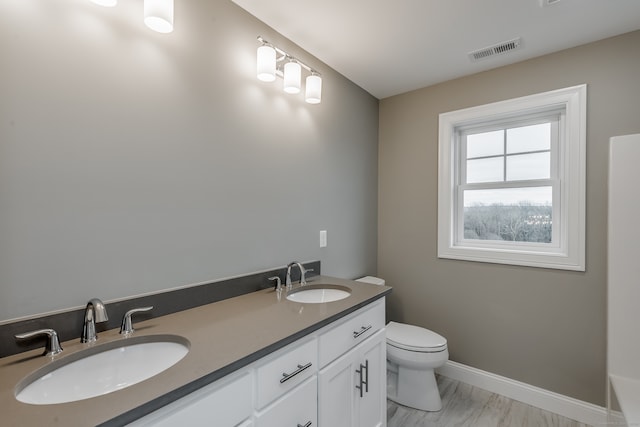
[{"x": 284, "y": 56}]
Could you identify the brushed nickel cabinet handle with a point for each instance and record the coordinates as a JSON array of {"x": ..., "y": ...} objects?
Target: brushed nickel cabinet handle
[
  {"x": 364, "y": 382},
  {"x": 359, "y": 386},
  {"x": 286, "y": 377},
  {"x": 366, "y": 375},
  {"x": 362, "y": 330}
]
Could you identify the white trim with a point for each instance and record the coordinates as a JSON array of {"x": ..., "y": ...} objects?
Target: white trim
[
  {"x": 568, "y": 407},
  {"x": 571, "y": 256}
]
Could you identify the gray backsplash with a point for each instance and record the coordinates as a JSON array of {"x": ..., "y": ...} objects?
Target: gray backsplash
[{"x": 68, "y": 325}]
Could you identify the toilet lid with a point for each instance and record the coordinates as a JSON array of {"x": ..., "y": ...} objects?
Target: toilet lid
[{"x": 414, "y": 338}]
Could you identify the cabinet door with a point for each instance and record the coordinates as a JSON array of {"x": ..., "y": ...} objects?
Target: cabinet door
[
  {"x": 336, "y": 392},
  {"x": 352, "y": 390},
  {"x": 372, "y": 406}
]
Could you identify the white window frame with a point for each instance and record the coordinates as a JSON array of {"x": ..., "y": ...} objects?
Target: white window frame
[{"x": 567, "y": 250}]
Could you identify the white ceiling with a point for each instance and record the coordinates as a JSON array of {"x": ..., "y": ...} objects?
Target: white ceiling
[{"x": 389, "y": 47}]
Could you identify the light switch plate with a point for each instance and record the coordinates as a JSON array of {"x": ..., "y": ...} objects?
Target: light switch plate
[{"x": 323, "y": 238}]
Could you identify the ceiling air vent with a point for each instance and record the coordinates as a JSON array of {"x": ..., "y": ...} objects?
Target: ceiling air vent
[{"x": 496, "y": 49}]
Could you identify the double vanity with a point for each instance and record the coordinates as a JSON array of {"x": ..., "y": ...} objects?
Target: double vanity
[{"x": 310, "y": 356}]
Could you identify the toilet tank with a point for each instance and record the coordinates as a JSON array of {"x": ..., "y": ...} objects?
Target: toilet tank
[{"x": 372, "y": 280}]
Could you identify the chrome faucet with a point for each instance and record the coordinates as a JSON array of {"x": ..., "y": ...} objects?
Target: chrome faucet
[
  {"x": 126, "y": 327},
  {"x": 94, "y": 313},
  {"x": 53, "y": 343},
  {"x": 278, "y": 286},
  {"x": 303, "y": 271}
]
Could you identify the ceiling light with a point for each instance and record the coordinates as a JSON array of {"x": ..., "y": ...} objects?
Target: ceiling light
[
  {"x": 273, "y": 61},
  {"x": 158, "y": 15}
]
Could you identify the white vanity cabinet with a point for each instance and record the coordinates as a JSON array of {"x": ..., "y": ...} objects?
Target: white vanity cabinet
[
  {"x": 352, "y": 388},
  {"x": 336, "y": 376}
]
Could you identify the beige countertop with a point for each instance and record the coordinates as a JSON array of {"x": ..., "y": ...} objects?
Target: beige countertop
[{"x": 224, "y": 337}]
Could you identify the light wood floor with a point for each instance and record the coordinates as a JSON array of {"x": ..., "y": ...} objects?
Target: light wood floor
[{"x": 467, "y": 406}]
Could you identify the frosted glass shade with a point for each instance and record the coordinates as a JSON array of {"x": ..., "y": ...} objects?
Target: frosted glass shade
[
  {"x": 292, "y": 77},
  {"x": 313, "y": 90},
  {"x": 158, "y": 15},
  {"x": 266, "y": 63},
  {"x": 105, "y": 3}
]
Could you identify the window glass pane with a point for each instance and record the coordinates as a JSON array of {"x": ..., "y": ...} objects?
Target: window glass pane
[
  {"x": 485, "y": 170},
  {"x": 529, "y": 166},
  {"x": 529, "y": 138},
  {"x": 508, "y": 214},
  {"x": 485, "y": 144}
]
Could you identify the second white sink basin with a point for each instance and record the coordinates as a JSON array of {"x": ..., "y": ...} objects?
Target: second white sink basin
[
  {"x": 316, "y": 294},
  {"x": 102, "y": 369}
]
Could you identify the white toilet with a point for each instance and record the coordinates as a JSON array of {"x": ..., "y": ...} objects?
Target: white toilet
[{"x": 412, "y": 355}]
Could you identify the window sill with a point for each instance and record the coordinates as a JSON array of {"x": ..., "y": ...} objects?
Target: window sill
[{"x": 526, "y": 258}]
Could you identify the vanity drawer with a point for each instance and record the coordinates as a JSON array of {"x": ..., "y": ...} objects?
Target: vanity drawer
[
  {"x": 295, "y": 364},
  {"x": 228, "y": 401},
  {"x": 351, "y": 332},
  {"x": 298, "y": 408}
]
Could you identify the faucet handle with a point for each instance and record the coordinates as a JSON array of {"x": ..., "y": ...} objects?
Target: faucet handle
[
  {"x": 127, "y": 327},
  {"x": 53, "y": 343},
  {"x": 303, "y": 275},
  {"x": 278, "y": 282}
]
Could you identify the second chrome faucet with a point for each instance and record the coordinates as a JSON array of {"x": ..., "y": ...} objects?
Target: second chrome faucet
[
  {"x": 95, "y": 312},
  {"x": 303, "y": 272}
]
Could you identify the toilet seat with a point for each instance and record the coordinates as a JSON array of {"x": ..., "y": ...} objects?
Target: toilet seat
[{"x": 414, "y": 338}]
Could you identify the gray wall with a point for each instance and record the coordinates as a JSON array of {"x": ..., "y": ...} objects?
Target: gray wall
[
  {"x": 132, "y": 161},
  {"x": 542, "y": 327}
]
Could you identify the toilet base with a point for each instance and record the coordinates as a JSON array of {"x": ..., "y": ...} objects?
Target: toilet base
[{"x": 415, "y": 388}]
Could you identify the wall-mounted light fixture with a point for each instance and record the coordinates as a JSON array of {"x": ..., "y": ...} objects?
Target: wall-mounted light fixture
[
  {"x": 158, "y": 14},
  {"x": 273, "y": 61}
]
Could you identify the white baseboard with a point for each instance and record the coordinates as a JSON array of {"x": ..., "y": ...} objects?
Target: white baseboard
[{"x": 569, "y": 407}]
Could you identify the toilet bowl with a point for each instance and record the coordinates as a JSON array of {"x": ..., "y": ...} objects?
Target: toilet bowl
[{"x": 412, "y": 355}]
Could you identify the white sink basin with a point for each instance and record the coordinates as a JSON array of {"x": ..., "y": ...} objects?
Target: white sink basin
[
  {"x": 316, "y": 294},
  {"x": 102, "y": 369}
]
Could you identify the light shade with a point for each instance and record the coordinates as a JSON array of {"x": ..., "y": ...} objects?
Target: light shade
[
  {"x": 292, "y": 77},
  {"x": 105, "y": 3},
  {"x": 313, "y": 90},
  {"x": 158, "y": 15},
  {"x": 266, "y": 63}
]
